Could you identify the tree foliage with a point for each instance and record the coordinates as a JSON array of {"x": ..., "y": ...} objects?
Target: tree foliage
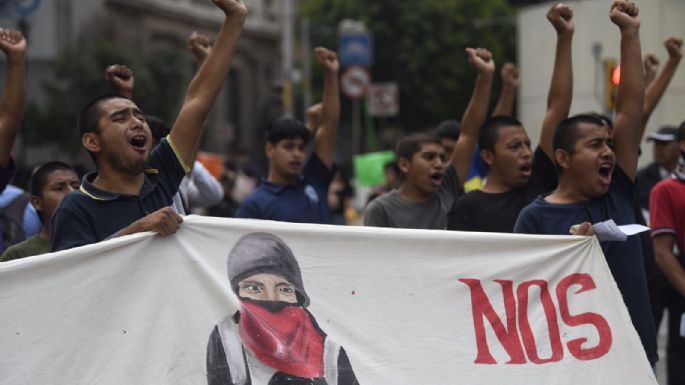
[
  {"x": 77, "y": 77},
  {"x": 420, "y": 44}
]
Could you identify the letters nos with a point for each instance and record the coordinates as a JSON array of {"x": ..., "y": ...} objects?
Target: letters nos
[{"x": 517, "y": 337}]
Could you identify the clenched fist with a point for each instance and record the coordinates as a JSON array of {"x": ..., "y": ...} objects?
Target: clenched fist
[
  {"x": 199, "y": 45},
  {"x": 121, "y": 79},
  {"x": 561, "y": 18},
  {"x": 625, "y": 15},
  {"x": 13, "y": 44},
  {"x": 481, "y": 60},
  {"x": 232, "y": 8},
  {"x": 328, "y": 60},
  {"x": 674, "y": 46}
]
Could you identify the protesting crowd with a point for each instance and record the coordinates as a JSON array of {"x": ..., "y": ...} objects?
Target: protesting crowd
[{"x": 584, "y": 170}]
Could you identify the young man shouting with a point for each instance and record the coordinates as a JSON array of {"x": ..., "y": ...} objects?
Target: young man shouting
[
  {"x": 295, "y": 190},
  {"x": 516, "y": 175},
  {"x": 432, "y": 180},
  {"x": 134, "y": 185},
  {"x": 596, "y": 179}
]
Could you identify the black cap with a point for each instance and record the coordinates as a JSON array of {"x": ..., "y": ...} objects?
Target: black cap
[{"x": 664, "y": 134}]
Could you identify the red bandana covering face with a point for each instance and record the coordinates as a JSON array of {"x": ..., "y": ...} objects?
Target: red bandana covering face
[{"x": 285, "y": 340}]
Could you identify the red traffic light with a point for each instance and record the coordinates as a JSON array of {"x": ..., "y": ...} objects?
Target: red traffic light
[{"x": 616, "y": 75}]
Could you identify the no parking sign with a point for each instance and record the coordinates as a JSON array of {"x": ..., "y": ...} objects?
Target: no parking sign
[{"x": 383, "y": 100}]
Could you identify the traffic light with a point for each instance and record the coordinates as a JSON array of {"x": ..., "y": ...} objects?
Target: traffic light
[{"x": 612, "y": 77}]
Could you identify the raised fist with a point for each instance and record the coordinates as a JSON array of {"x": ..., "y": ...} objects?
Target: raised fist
[
  {"x": 232, "y": 8},
  {"x": 328, "y": 60},
  {"x": 199, "y": 45},
  {"x": 12, "y": 43},
  {"x": 481, "y": 60},
  {"x": 121, "y": 78},
  {"x": 510, "y": 74},
  {"x": 561, "y": 16},
  {"x": 674, "y": 46},
  {"x": 624, "y": 14},
  {"x": 651, "y": 63}
]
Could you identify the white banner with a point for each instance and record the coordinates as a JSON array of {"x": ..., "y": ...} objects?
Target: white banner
[{"x": 338, "y": 304}]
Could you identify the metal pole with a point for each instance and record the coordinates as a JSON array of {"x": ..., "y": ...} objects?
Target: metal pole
[
  {"x": 306, "y": 67},
  {"x": 287, "y": 55},
  {"x": 356, "y": 127}
]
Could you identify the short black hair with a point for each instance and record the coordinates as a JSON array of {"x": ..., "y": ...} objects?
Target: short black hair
[
  {"x": 89, "y": 118},
  {"x": 606, "y": 119},
  {"x": 39, "y": 179},
  {"x": 449, "y": 129},
  {"x": 568, "y": 133},
  {"x": 287, "y": 128},
  {"x": 410, "y": 145},
  {"x": 90, "y": 115},
  {"x": 489, "y": 131}
]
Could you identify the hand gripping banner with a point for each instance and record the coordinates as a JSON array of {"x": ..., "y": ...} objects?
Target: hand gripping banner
[{"x": 266, "y": 303}]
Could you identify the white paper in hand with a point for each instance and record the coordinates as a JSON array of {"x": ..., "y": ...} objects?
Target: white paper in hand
[{"x": 609, "y": 231}]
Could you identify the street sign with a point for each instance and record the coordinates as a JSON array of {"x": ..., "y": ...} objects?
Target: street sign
[
  {"x": 355, "y": 81},
  {"x": 355, "y": 49},
  {"x": 383, "y": 100}
]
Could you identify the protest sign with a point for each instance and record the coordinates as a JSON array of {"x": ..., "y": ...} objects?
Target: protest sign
[{"x": 247, "y": 301}]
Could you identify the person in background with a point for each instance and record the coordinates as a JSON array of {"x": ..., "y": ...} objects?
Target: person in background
[
  {"x": 17, "y": 214},
  {"x": 340, "y": 196},
  {"x": 667, "y": 219},
  {"x": 296, "y": 190},
  {"x": 228, "y": 206},
  {"x": 432, "y": 180},
  {"x": 50, "y": 183}
]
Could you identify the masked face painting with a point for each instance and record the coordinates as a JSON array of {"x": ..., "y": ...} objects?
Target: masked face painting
[{"x": 274, "y": 324}]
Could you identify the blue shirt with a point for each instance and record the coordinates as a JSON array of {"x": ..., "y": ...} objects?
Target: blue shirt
[
  {"x": 624, "y": 258},
  {"x": 31, "y": 223},
  {"x": 305, "y": 202},
  {"x": 91, "y": 215}
]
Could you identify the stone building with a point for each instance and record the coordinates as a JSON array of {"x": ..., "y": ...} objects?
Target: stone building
[{"x": 147, "y": 25}]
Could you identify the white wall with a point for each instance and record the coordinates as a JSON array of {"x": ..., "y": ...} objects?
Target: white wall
[{"x": 537, "y": 39}]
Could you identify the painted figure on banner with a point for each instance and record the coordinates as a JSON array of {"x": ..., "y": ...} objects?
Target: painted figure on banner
[{"x": 273, "y": 339}]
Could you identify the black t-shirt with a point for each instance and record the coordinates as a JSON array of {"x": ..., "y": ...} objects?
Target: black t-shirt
[{"x": 497, "y": 212}]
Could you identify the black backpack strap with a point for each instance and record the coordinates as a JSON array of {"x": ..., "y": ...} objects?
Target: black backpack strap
[{"x": 12, "y": 217}]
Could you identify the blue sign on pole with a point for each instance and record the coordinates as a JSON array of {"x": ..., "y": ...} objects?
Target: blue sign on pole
[{"x": 355, "y": 49}]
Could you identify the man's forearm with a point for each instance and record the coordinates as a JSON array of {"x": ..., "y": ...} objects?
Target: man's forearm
[
  {"x": 505, "y": 103},
  {"x": 12, "y": 106},
  {"x": 560, "y": 91},
  {"x": 205, "y": 87},
  {"x": 631, "y": 91},
  {"x": 656, "y": 90},
  {"x": 672, "y": 269},
  {"x": 474, "y": 116}
]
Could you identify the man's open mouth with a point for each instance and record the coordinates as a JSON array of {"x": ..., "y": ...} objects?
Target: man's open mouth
[
  {"x": 605, "y": 170},
  {"x": 437, "y": 178},
  {"x": 139, "y": 142},
  {"x": 525, "y": 169}
]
